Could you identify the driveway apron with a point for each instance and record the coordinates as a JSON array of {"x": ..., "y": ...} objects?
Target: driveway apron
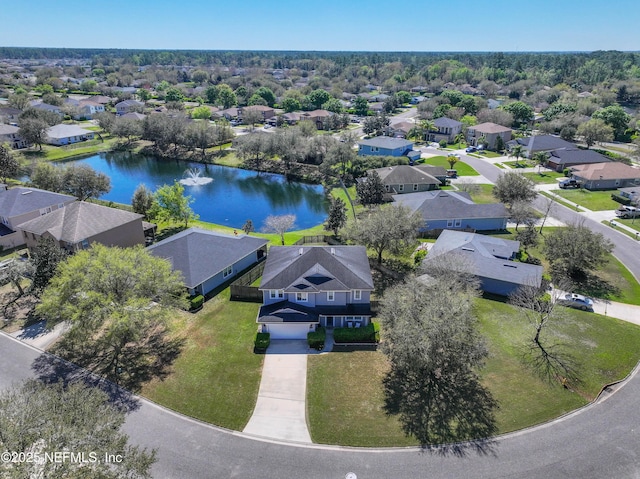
[{"x": 280, "y": 411}]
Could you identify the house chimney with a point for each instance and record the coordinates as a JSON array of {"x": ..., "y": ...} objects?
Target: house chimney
[
  {"x": 300, "y": 251},
  {"x": 333, "y": 251}
]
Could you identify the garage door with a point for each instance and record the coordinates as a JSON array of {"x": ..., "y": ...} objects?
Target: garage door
[{"x": 289, "y": 331}]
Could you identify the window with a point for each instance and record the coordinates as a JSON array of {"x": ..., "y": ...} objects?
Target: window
[
  {"x": 227, "y": 271},
  {"x": 302, "y": 297},
  {"x": 357, "y": 294},
  {"x": 401, "y": 188},
  {"x": 458, "y": 223},
  {"x": 449, "y": 223},
  {"x": 415, "y": 187},
  {"x": 331, "y": 295},
  {"x": 386, "y": 187},
  {"x": 276, "y": 294}
]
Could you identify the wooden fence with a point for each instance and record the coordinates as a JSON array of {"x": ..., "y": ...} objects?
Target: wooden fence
[
  {"x": 317, "y": 239},
  {"x": 241, "y": 289}
]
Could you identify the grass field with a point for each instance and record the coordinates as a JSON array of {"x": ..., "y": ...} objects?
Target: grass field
[
  {"x": 484, "y": 195},
  {"x": 463, "y": 168},
  {"x": 593, "y": 200},
  {"x": 544, "y": 177},
  {"x": 345, "y": 398}
]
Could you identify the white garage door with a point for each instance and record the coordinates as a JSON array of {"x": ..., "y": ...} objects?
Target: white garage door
[{"x": 289, "y": 331}]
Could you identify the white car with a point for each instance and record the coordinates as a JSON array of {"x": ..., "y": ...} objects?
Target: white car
[{"x": 577, "y": 301}]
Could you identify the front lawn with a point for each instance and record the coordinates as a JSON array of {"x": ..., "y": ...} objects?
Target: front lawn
[
  {"x": 544, "y": 177},
  {"x": 484, "y": 195},
  {"x": 463, "y": 168},
  {"x": 345, "y": 396},
  {"x": 522, "y": 163},
  {"x": 593, "y": 200},
  {"x": 217, "y": 375}
]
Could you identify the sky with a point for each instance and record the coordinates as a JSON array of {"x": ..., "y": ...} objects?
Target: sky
[{"x": 329, "y": 25}]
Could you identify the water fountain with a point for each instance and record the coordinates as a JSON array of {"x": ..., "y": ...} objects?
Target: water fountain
[{"x": 192, "y": 177}]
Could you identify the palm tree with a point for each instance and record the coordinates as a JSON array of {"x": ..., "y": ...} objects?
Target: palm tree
[
  {"x": 541, "y": 159},
  {"x": 516, "y": 151}
]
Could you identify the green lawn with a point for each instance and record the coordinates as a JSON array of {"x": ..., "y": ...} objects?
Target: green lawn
[
  {"x": 463, "y": 168},
  {"x": 544, "y": 177},
  {"x": 557, "y": 200},
  {"x": 522, "y": 163},
  {"x": 217, "y": 375},
  {"x": 345, "y": 397},
  {"x": 486, "y": 154},
  {"x": 633, "y": 223},
  {"x": 593, "y": 200},
  {"x": 338, "y": 192},
  {"x": 485, "y": 195}
]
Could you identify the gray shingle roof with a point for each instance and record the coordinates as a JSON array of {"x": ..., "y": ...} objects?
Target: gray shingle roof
[
  {"x": 544, "y": 143},
  {"x": 449, "y": 205},
  {"x": 19, "y": 201},
  {"x": 444, "y": 122},
  {"x": 386, "y": 142},
  {"x": 78, "y": 221},
  {"x": 66, "y": 131},
  {"x": 577, "y": 156},
  {"x": 317, "y": 268},
  {"x": 405, "y": 174},
  {"x": 478, "y": 253},
  {"x": 200, "y": 254}
]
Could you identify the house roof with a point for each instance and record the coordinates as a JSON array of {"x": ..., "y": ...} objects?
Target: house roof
[
  {"x": 444, "y": 122},
  {"x": 66, "y": 131},
  {"x": 21, "y": 200},
  {"x": 404, "y": 126},
  {"x": 577, "y": 156},
  {"x": 125, "y": 103},
  {"x": 258, "y": 108},
  {"x": 489, "y": 128},
  {"x": 445, "y": 205},
  {"x": 316, "y": 114},
  {"x": 387, "y": 142},
  {"x": 611, "y": 170},
  {"x": 46, "y": 106},
  {"x": 79, "y": 221},
  {"x": 480, "y": 254},
  {"x": 201, "y": 254},
  {"x": 542, "y": 143},
  {"x": 289, "y": 312},
  {"x": 8, "y": 129},
  {"x": 317, "y": 268},
  {"x": 405, "y": 174},
  {"x": 134, "y": 115}
]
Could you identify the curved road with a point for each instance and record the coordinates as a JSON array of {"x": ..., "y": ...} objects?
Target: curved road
[{"x": 602, "y": 440}]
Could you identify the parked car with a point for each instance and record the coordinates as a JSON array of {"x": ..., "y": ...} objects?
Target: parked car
[
  {"x": 569, "y": 183},
  {"x": 628, "y": 212},
  {"x": 471, "y": 149},
  {"x": 577, "y": 301}
]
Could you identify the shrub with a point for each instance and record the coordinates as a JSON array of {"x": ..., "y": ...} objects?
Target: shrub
[
  {"x": 419, "y": 256},
  {"x": 566, "y": 172},
  {"x": 196, "y": 302},
  {"x": 262, "y": 342},
  {"x": 317, "y": 338},
  {"x": 443, "y": 143},
  {"x": 620, "y": 199},
  {"x": 366, "y": 334}
]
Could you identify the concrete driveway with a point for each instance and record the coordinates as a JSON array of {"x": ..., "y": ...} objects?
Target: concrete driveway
[{"x": 280, "y": 411}]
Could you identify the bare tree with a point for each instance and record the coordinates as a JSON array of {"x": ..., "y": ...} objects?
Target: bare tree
[
  {"x": 279, "y": 224},
  {"x": 547, "y": 210},
  {"x": 468, "y": 186}
]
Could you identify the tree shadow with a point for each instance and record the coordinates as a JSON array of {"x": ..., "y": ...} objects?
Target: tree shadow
[
  {"x": 551, "y": 363},
  {"x": 591, "y": 285},
  {"x": 52, "y": 369},
  {"x": 448, "y": 414}
]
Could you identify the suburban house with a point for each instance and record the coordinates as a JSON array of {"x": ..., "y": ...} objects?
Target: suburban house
[
  {"x": 606, "y": 176},
  {"x": 490, "y": 131},
  {"x": 47, "y": 107},
  {"x": 9, "y": 134},
  {"x": 62, "y": 134},
  {"x": 632, "y": 193},
  {"x": 400, "y": 129},
  {"x": 208, "y": 259},
  {"x": 401, "y": 179},
  {"x": 9, "y": 114},
  {"x": 134, "y": 115},
  {"x": 79, "y": 224},
  {"x": 88, "y": 109},
  {"x": 266, "y": 111},
  {"x": 446, "y": 129},
  {"x": 568, "y": 157},
  {"x": 21, "y": 204},
  {"x": 127, "y": 106},
  {"x": 541, "y": 143},
  {"x": 454, "y": 210},
  {"x": 232, "y": 113},
  {"x": 489, "y": 259},
  {"x": 309, "y": 286},
  {"x": 387, "y": 146},
  {"x": 318, "y": 117}
]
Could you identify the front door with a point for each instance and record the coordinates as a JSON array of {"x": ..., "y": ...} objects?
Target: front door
[{"x": 329, "y": 321}]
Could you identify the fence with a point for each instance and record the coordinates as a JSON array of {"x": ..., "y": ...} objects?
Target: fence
[
  {"x": 317, "y": 239},
  {"x": 241, "y": 289}
]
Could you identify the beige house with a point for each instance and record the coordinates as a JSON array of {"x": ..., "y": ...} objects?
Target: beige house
[
  {"x": 67, "y": 134},
  {"x": 606, "y": 176},
  {"x": 20, "y": 204},
  {"x": 80, "y": 224},
  {"x": 318, "y": 117},
  {"x": 266, "y": 111},
  {"x": 490, "y": 131}
]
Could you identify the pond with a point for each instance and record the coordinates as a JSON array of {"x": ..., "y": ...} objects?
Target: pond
[{"x": 232, "y": 197}]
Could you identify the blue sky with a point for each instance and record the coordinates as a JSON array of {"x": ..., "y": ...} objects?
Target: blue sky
[{"x": 374, "y": 25}]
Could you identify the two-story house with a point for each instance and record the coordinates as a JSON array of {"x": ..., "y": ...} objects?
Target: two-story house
[
  {"x": 309, "y": 286},
  {"x": 9, "y": 134},
  {"x": 21, "y": 204},
  {"x": 446, "y": 129},
  {"x": 490, "y": 132},
  {"x": 127, "y": 106}
]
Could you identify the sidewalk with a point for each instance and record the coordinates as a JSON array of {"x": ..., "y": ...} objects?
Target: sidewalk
[{"x": 39, "y": 336}]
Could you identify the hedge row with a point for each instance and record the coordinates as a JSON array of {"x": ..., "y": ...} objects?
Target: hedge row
[
  {"x": 366, "y": 334},
  {"x": 262, "y": 341},
  {"x": 317, "y": 338}
]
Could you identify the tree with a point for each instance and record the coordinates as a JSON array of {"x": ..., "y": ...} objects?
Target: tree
[
  {"x": 523, "y": 213},
  {"x": 47, "y": 177},
  {"x": 126, "y": 128},
  {"x": 522, "y": 113},
  {"x": 279, "y": 224},
  {"x": 33, "y": 130},
  {"x": 251, "y": 116},
  {"x": 226, "y": 97},
  {"x": 360, "y": 106},
  {"x": 142, "y": 200},
  {"x": 337, "y": 215},
  {"x": 338, "y": 160},
  {"x": 528, "y": 238},
  {"x": 387, "y": 228},
  {"x": 541, "y": 158},
  {"x": 499, "y": 145},
  {"x": 84, "y": 182},
  {"x": 171, "y": 204},
  {"x": 256, "y": 99},
  {"x": 615, "y": 117},
  {"x": 595, "y": 131},
  {"x": 201, "y": 113},
  {"x": 290, "y": 104},
  {"x": 435, "y": 352},
  {"x": 199, "y": 135},
  {"x": 14, "y": 272},
  {"x": 9, "y": 165},
  {"x": 117, "y": 302},
  {"x": 266, "y": 93},
  {"x": 19, "y": 100},
  {"x": 45, "y": 258},
  {"x": 516, "y": 152},
  {"x": 575, "y": 251},
  {"x": 39, "y": 419},
  {"x": 375, "y": 124},
  {"x": 254, "y": 149},
  {"x": 370, "y": 189},
  {"x": 174, "y": 94},
  {"x": 315, "y": 99},
  {"x": 452, "y": 160},
  {"x": 247, "y": 227},
  {"x": 512, "y": 187},
  {"x": 333, "y": 105}
]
